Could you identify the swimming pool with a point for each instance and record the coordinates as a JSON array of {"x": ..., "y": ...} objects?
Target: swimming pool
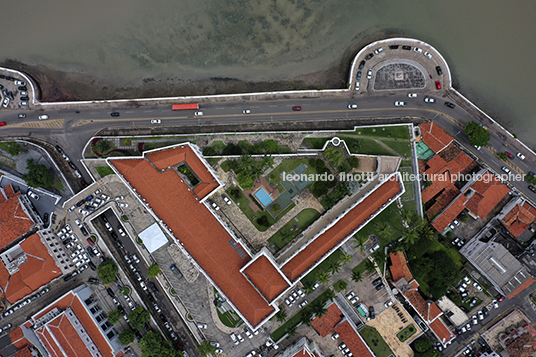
[{"x": 263, "y": 197}]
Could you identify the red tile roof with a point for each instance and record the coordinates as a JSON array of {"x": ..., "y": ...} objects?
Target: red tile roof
[
  {"x": 24, "y": 352},
  {"x": 318, "y": 248},
  {"x": 399, "y": 268},
  {"x": 326, "y": 323},
  {"x": 49, "y": 342},
  {"x": 14, "y": 222},
  {"x": 302, "y": 352},
  {"x": 65, "y": 335},
  {"x": 434, "y": 136},
  {"x": 490, "y": 192},
  {"x": 39, "y": 269},
  {"x": 353, "y": 340},
  {"x": 264, "y": 275},
  {"x": 198, "y": 230},
  {"x": 522, "y": 287},
  {"x": 163, "y": 159},
  {"x": 519, "y": 218},
  {"x": 440, "y": 330}
]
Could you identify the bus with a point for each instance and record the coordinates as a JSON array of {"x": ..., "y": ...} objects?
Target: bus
[{"x": 194, "y": 106}]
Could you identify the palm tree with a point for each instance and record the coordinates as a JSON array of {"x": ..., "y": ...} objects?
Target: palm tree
[
  {"x": 329, "y": 295},
  {"x": 306, "y": 317},
  {"x": 383, "y": 229},
  {"x": 319, "y": 309},
  {"x": 335, "y": 266},
  {"x": 291, "y": 330},
  {"x": 396, "y": 246},
  {"x": 345, "y": 258},
  {"x": 281, "y": 315},
  {"x": 359, "y": 241},
  {"x": 323, "y": 277},
  {"x": 308, "y": 285},
  {"x": 370, "y": 266},
  {"x": 357, "y": 276}
]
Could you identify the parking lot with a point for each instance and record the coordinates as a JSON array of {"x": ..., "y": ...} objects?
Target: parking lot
[{"x": 14, "y": 93}]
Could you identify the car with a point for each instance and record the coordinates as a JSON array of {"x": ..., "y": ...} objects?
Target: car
[
  {"x": 378, "y": 50},
  {"x": 480, "y": 315},
  {"x": 90, "y": 241},
  {"x": 23, "y": 104},
  {"x": 388, "y": 303},
  {"x": 77, "y": 174},
  {"x": 214, "y": 205},
  {"x": 218, "y": 350},
  {"x": 369, "y": 56},
  {"x": 354, "y": 300},
  {"x": 234, "y": 339},
  {"x": 380, "y": 287},
  {"x": 114, "y": 114},
  {"x": 342, "y": 346},
  {"x": 501, "y": 298},
  {"x": 21, "y": 115},
  {"x": 350, "y": 295},
  {"x": 135, "y": 258},
  {"x": 23, "y": 93},
  {"x": 361, "y": 65},
  {"x": 19, "y": 83},
  {"x": 288, "y": 302},
  {"x": 509, "y": 155},
  {"x": 157, "y": 308},
  {"x": 427, "y": 55},
  {"x": 468, "y": 326},
  {"x": 377, "y": 282},
  {"x": 22, "y": 88},
  {"x": 78, "y": 223},
  {"x": 300, "y": 292},
  {"x": 475, "y": 320},
  {"x": 3, "y": 123},
  {"x": 302, "y": 304},
  {"x": 43, "y": 117},
  {"x": 72, "y": 165},
  {"x": 450, "y": 105},
  {"x": 123, "y": 204},
  {"x": 399, "y": 103},
  {"x": 251, "y": 353},
  {"x": 248, "y": 333},
  {"x": 359, "y": 74},
  {"x": 108, "y": 226},
  {"x": 466, "y": 279},
  {"x": 240, "y": 338},
  {"x": 407, "y": 48},
  {"x": 429, "y": 100},
  {"x": 372, "y": 314},
  {"x": 455, "y": 241},
  {"x": 25, "y": 98},
  {"x": 506, "y": 169},
  {"x": 477, "y": 287},
  {"x": 143, "y": 286},
  {"x": 521, "y": 156},
  {"x": 33, "y": 195},
  {"x": 412, "y": 95},
  {"x": 393, "y": 47},
  {"x": 6, "y": 101},
  {"x": 198, "y": 114},
  {"x": 156, "y": 121},
  {"x": 357, "y": 86},
  {"x": 352, "y": 106},
  {"x": 438, "y": 85},
  {"x": 495, "y": 304},
  {"x": 438, "y": 70},
  {"x": 7, "y": 327},
  {"x": 369, "y": 74},
  {"x": 464, "y": 294},
  {"x": 215, "y": 344},
  {"x": 532, "y": 188},
  {"x": 105, "y": 197},
  {"x": 226, "y": 199},
  {"x": 456, "y": 222},
  {"x": 417, "y": 50},
  {"x": 246, "y": 111},
  {"x": 296, "y": 109},
  {"x": 121, "y": 232}
]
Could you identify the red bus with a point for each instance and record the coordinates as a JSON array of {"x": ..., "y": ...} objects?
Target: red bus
[{"x": 185, "y": 106}]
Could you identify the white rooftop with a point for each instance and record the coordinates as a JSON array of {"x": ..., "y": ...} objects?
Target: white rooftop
[{"x": 153, "y": 237}]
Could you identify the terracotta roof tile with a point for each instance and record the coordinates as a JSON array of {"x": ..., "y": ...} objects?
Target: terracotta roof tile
[
  {"x": 49, "y": 342},
  {"x": 434, "y": 136},
  {"x": 198, "y": 230},
  {"x": 264, "y": 275},
  {"x": 10, "y": 193},
  {"x": 302, "y": 352},
  {"x": 15, "y": 335},
  {"x": 67, "y": 337},
  {"x": 442, "y": 221},
  {"x": 433, "y": 311},
  {"x": 490, "y": 192},
  {"x": 519, "y": 218},
  {"x": 14, "y": 222},
  {"x": 91, "y": 328},
  {"x": 326, "y": 323},
  {"x": 522, "y": 287},
  {"x": 440, "y": 330},
  {"x": 416, "y": 300},
  {"x": 353, "y": 340},
  {"x": 24, "y": 352},
  {"x": 318, "y": 248},
  {"x": 399, "y": 268},
  {"x": 61, "y": 304}
]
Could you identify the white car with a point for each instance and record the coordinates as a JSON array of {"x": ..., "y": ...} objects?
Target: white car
[
  {"x": 505, "y": 169},
  {"x": 226, "y": 199},
  {"x": 19, "y": 83},
  {"x": 429, "y": 100},
  {"x": 235, "y": 340},
  {"x": 521, "y": 156},
  {"x": 121, "y": 231},
  {"x": 478, "y": 287},
  {"x": 427, "y": 55},
  {"x": 412, "y": 95},
  {"x": 495, "y": 304},
  {"x": 43, "y": 117},
  {"x": 466, "y": 279},
  {"x": 388, "y": 303},
  {"x": 378, "y": 50},
  {"x": 156, "y": 121},
  {"x": 214, "y": 205},
  {"x": 33, "y": 195},
  {"x": 198, "y": 114},
  {"x": 84, "y": 212},
  {"x": 23, "y": 104},
  {"x": 417, "y": 49},
  {"x": 23, "y": 94},
  {"x": 480, "y": 315},
  {"x": 5, "y": 103},
  {"x": 135, "y": 258},
  {"x": 105, "y": 197},
  {"x": 475, "y": 320},
  {"x": 356, "y": 85},
  {"x": 123, "y": 204},
  {"x": 369, "y": 74},
  {"x": 302, "y": 304},
  {"x": 246, "y": 111},
  {"x": 248, "y": 334},
  {"x": 65, "y": 157},
  {"x": 108, "y": 226},
  {"x": 78, "y": 223},
  {"x": 240, "y": 338},
  {"x": 352, "y": 106},
  {"x": 119, "y": 198},
  {"x": 143, "y": 286},
  {"x": 350, "y": 295},
  {"x": 400, "y": 104},
  {"x": 477, "y": 147}
]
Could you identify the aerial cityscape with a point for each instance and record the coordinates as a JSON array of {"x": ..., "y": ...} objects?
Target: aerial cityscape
[{"x": 385, "y": 215}]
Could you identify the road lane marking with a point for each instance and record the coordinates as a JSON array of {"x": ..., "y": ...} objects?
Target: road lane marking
[
  {"x": 52, "y": 124},
  {"x": 507, "y": 163}
]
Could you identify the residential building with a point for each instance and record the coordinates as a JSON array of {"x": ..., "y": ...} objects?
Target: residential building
[
  {"x": 302, "y": 348},
  {"x": 519, "y": 217},
  {"x": 15, "y": 218},
  {"x": 252, "y": 282}
]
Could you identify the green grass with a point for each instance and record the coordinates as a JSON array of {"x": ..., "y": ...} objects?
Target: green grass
[
  {"x": 375, "y": 341},
  {"x": 212, "y": 161},
  {"x": 57, "y": 183},
  {"x": 409, "y": 194},
  {"x": 402, "y": 147},
  {"x": 290, "y": 165},
  {"x": 285, "y": 235},
  {"x": 340, "y": 285},
  {"x": 312, "y": 276},
  {"x": 389, "y": 215},
  {"x": 406, "y": 333},
  {"x": 104, "y": 170},
  {"x": 5, "y": 145},
  {"x": 398, "y": 132},
  {"x": 295, "y": 320},
  {"x": 218, "y": 145},
  {"x": 226, "y": 165},
  {"x": 314, "y": 143},
  {"x": 368, "y": 146},
  {"x": 253, "y": 216},
  {"x": 230, "y": 318}
]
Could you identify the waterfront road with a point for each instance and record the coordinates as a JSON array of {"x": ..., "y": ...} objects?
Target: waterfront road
[{"x": 72, "y": 129}]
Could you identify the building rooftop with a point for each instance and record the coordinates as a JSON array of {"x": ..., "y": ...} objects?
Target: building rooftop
[
  {"x": 519, "y": 218},
  {"x": 327, "y": 322},
  {"x": 14, "y": 222},
  {"x": 266, "y": 278},
  {"x": 353, "y": 340},
  {"x": 434, "y": 136},
  {"x": 399, "y": 267}
]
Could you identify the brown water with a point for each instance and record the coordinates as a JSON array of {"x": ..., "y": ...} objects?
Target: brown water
[{"x": 489, "y": 44}]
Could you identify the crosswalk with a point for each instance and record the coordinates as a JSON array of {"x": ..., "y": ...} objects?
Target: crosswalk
[{"x": 51, "y": 124}]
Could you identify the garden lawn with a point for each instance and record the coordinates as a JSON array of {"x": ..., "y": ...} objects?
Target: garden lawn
[
  {"x": 230, "y": 318},
  {"x": 406, "y": 333},
  {"x": 315, "y": 143},
  {"x": 375, "y": 341},
  {"x": 253, "y": 216},
  {"x": 312, "y": 276},
  {"x": 290, "y": 165},
  {"x": 368, "y": 146},
  {"x": 398, "y": 132},
  {"x": 285, "y": 235},
  {"x": 402, "y": 147},
  {"x": 104, "y": 170},
  {"x": 389, "y": 215}
]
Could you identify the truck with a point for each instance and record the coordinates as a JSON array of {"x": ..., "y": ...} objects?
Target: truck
[{"x": 193, "y": 106}]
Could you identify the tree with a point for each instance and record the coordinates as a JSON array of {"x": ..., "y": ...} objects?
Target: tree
[
  {"x": 422, "y": 344},
  {"x": 245, "y": 180},
  {"x": 138, "y": 318},
  {"x": 323, "y": 277},
  {"x": 205, "y": 349},
  {"x": 345, "y": 258},
  {"x": 306, "y": 317},
  {"x": 329, "y": 295},
  {"x": 370, "y": 266},
  {"x": 383, "y": 229},
  {"x": 354, "y": 162},
  {"x": 357, "y": 276},
  {"x": 359, "y": 241},
  {"x": 209, "y": 151},
  {"x": 126, "y": 337},
  {"x": 335, "y": 266},
  {"x": 308, "y": 285},
  {"x": 281, "y": 315},
  {"x": 291, "y": 330},
  {"x": 102, "y": 146},
  {"x": 153, "y": 271},
  {"x": 319, "y": 309},
  {"x": 115, "y": 316},
  {"x": 478, "y": 136},
  {"x": 263, "y": 221},
  {"x": 14, "y": 149},
  {"x": 107, "y": 271},
  {"x": 335, "y": 157},
  {"x": 153, "y": 345},
  {"x": 503, "y": 156},
  {"x": 38, "y": 175}
]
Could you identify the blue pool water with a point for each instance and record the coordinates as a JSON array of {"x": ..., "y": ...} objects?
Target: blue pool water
[{"x": 263, "y": 197}]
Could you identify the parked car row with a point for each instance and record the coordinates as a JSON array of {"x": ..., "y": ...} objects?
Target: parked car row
[
  {"x": 294, "y": 296},
  {"x": 7, "y": 96},
  {"x": 20, "y": 305}
]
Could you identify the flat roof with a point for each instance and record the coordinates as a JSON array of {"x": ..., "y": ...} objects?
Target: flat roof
[{"x": 200, "y": 233}]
